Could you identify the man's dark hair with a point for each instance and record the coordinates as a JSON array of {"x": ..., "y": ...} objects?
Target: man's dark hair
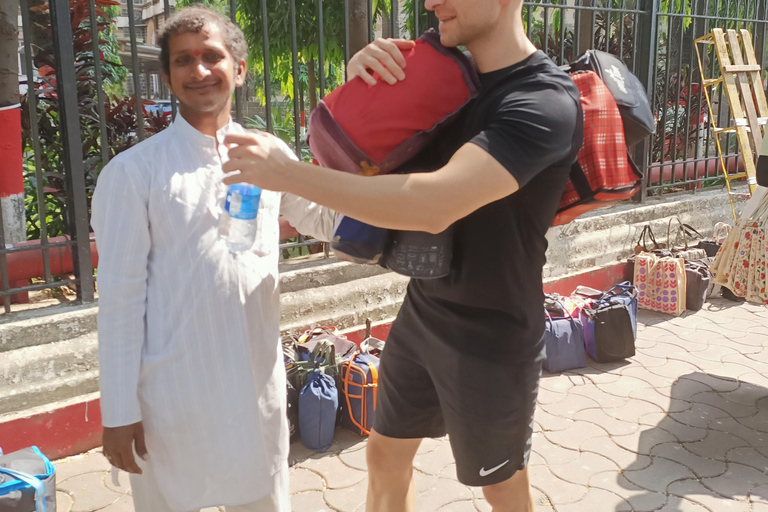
[{"x": 194, "y": 19}]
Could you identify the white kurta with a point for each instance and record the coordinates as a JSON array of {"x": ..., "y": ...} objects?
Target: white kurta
[{"x": 189, "y": 332}]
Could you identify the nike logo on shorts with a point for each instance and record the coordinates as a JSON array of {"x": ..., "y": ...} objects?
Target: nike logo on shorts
[{"x": 486, "y": 472}]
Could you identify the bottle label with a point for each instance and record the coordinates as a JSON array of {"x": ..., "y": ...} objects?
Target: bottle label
[{"x": 242, "y": 207}]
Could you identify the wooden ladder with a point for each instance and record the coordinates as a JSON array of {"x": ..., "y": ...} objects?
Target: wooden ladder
[{"x": 743, "y": 87}]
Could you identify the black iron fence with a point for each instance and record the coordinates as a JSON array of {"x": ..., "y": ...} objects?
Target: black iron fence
[{"x": 94, "y": 88}]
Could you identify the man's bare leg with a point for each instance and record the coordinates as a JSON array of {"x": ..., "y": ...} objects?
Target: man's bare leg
[
  {"x": 390, "y": 473},
  {"x": 513, "y": 495}
]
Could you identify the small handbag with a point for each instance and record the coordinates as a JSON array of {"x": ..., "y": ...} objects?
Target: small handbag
[{"x": 563, "y": 338}]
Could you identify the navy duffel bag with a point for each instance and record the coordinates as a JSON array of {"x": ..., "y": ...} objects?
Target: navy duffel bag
[{"x": 563, "y": 338}]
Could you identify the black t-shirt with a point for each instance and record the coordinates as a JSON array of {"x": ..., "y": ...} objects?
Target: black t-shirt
[{"x": 528, "y": 117}]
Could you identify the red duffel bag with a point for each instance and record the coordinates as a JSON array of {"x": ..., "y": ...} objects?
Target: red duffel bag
[{"x": 363, "y": 129}]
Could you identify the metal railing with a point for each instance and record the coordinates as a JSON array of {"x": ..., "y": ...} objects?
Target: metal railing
[{"x": 299, "y": 54}]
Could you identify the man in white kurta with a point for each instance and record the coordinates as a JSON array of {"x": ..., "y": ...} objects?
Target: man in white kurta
[{"x": 189, "y": 331}]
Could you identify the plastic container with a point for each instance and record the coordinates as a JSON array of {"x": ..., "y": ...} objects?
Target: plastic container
[{"x": 239, "y": 222}]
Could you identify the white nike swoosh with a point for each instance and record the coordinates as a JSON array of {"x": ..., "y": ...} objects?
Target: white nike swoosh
[{"x": 484, "y": 472}]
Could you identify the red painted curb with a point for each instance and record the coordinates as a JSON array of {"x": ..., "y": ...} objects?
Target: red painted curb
[
  {"x": 76, "y": 428},
  {"x": 70, "y": 430}
]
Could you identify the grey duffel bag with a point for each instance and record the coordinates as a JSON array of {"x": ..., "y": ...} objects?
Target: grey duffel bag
[{"x": 27, "y": 482}]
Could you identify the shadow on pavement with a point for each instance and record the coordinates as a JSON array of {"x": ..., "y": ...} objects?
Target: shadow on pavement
[{"x": 711, "y": 446}]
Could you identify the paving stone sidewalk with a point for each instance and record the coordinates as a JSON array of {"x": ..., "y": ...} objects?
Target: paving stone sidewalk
[{"x": 681, "y": 427}]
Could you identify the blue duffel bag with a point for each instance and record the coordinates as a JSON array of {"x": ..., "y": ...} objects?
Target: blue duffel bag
[
  {"x": 27, "y": 482},
  {"x": 563, "y": 338},
  {"x": 319, "y": 400}
]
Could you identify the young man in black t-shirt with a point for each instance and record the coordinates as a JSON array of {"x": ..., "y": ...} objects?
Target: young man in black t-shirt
[{"x": 464, "y": 355}]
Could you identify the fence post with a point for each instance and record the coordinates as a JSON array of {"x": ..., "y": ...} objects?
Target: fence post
[
  {"x": 69, "y": 119},
  {"x": 646, "y": 70}
]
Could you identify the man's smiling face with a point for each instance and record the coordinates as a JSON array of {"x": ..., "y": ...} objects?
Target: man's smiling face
[{"x": 203, "y": 74}]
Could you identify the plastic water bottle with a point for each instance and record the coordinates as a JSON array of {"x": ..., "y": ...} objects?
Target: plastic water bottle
[{"x": 239, "y": 221}]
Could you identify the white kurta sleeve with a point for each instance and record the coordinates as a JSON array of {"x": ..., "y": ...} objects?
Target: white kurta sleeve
[
  {"x": 307, "y": 217},
  {"x": 120, "y": 222}
]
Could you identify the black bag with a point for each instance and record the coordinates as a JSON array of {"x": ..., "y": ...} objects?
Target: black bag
[
  {"x": 614, "y": 333},
  {"x": 697, "y": 280},
  {"x": 626, "y": 89}
]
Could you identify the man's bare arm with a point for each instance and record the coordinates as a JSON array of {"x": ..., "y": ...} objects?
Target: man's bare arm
[{"x": 417, "y": 202}]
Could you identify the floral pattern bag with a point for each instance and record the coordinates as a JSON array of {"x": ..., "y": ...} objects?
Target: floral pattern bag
[
  {"x": 661, "y": 283},
  {"x": 741, "y": 263}
]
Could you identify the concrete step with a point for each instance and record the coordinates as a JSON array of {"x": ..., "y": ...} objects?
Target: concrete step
[
  {"x": 65, "y": 322},
  {"x": 38, "y": 375},
  {"x": 344, "y": 305}
]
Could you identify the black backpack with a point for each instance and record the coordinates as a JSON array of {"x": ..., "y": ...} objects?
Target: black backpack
[{"x": 626, "y": 89}]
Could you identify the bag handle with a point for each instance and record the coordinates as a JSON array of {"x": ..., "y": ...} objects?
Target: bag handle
[
  {"x": 566, "y": 314},
  {"x": 722, "y": 230},
  {"x": 32, "y": 481},
  {"x": 691, "y": 231},
  {"x": 625, "y": 288},
  {"x": 680, "y": 228},
  {"x": 324, "y": 349}
]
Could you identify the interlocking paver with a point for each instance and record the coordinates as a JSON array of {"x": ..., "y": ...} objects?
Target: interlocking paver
[
  {"x": 606, "y": 447},
  {"x": 661, "y": 398},
  {"x": 612, "y": 425},
  {"x": 583, "y": 468},
  {"x": 446, "y": 491},
  {"x": 89, "y": 491},
  {"x": 716, "y": 445},
  {"x": 336, "y": 474},
  {"x": 687, "y": 415},
  {"x": 737, "y": 482},
  {"x": 698, "y": 493},
  {"x": 432, "y": 463},
  {"x": 700, "y": 466},
  {"x": 698, "y": 415},
  {"x": 552, "y": 422},
  {"x": 459, "y": 506},
  {"x": 303, "y": 480},
  {"x": 603, "y": 399},
  {"x": 755, "y": 438},
  {"x": 676, "y": 504},
  {"x": 553, "y": 454},
  {"x": 624, "y": 386},
  {"x": 597, "y": 499},
  {"x": 354, "y": 459},
  {"x": 64, "y": 502},
  {"x": 573, "y": 437},
  {"x": 559, "y": 491},
  {"x": 568, "y": 408},
  {"x": 640, "y": 499},
  {"x": 642, "y": 441},
  {"x": 311, "y": 501},
  {"x": 348, "y": 498},
  {"x": 658, "y": 475},
  {"x": 717, "y": 383}
]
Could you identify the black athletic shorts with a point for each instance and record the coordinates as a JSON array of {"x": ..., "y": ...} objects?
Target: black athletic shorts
[{"x": 427, "y": 388}]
